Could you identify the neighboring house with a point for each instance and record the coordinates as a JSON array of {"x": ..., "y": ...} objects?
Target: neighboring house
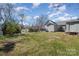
[
  {"x": 72, "y": 26},
  {"x": 50, "y": 26}
]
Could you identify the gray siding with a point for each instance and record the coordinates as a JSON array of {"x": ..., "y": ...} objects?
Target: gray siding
[
  {"x": 72, "y": 27},
  {"x": 50, "y": 28},
  {"x": 67, "y": 28}
]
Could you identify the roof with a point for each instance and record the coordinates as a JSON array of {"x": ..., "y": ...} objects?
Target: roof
[
  {"x": 69, "y": 21},
  {"x": 72, "y": 21},
  {"x": 61, "y": 23},
  {"x": 50, "y": 22}
]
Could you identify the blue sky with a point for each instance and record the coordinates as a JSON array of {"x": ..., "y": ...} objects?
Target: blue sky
[{"x": 54, "y": 11}]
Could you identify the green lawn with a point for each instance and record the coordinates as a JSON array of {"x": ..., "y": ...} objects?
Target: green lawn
[{"x": 43, "y": 44}]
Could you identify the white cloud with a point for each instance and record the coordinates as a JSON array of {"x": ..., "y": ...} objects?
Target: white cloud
[
  {"x": 75, "y": 17},
  {"x": 34, "y": 5},
  {"x": 54, "y": 14},
  {"x": 67, "y": 18},
  {"x": 64, "y": 18},
  {"x": 28, "y": 17},
  {"x": 57, "y": 6},
  {"x": 35, "y": 17},
  {"x": 66, "y": 14},
  {"x": 62, "y": 8},
  {"x": 48, "y": 12},
  {"x": 21, "y": 8},
  {"x": 50, "y": 5},
  {"x": 58, "y": 9},
  {"x": 53, "y": 5},
  {"x": 71, "y": 16}
]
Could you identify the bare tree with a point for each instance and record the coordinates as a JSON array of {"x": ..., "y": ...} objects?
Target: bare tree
[
  {"x": 6, "y": 11},
  {"x": 40, "y": 22},
  {"x": 9, "y": 25},
  {"x": 23, "y": 17}
]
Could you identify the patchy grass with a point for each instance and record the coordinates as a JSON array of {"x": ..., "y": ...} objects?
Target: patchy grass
[{"x": 43, "y": 44}]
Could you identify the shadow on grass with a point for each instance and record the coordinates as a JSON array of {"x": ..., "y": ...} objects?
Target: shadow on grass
[{"x": 7, "y": 47}]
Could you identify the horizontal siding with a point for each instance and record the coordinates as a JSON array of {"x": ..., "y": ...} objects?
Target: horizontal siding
[
  {"x": 67, "y": 28},
  {"x": 72, "y": 27},
  {"x": 50, "y": 28},
  {"x": 77, "y": 27}
]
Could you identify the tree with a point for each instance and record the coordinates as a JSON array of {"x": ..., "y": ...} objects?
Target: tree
[
  {"x": 40, "y": 22},
  {"x": 6, "y": 11},
  {"x": 10, "y": 26},
  {"x": 22, "y": 19}
]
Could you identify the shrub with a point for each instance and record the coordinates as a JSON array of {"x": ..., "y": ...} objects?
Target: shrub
[
  {"x": 11, "y": 27},
  {"x": 33, "y": 30},
  {"x": 18, "y": 28}
]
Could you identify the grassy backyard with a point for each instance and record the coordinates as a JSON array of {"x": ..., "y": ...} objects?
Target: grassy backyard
[{"x": 42, "y": 44}]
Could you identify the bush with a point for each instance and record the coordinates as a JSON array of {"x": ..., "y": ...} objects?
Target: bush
[
  {"x": 11, "y": 27},
  {"x": 18, "y": 28},
  {"x": 36, "y": 30},
  {"x": 33, "y": 30}
]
